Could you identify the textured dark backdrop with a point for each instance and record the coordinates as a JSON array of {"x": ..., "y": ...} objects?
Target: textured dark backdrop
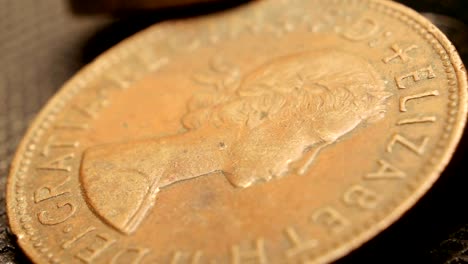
[{"x": 42, "y": 44}]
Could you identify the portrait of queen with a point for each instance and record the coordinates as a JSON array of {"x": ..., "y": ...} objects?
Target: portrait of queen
[{"x": 254, "y": 127}]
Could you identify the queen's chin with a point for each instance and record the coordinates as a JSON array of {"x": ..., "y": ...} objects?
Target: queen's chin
[{"x": 244, "y": 178}]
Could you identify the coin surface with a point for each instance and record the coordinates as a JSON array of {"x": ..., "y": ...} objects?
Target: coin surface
[{"x": 277, "y": 132}]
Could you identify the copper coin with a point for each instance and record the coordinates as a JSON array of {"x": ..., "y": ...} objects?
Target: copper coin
[{"x": 277, "y": 132}]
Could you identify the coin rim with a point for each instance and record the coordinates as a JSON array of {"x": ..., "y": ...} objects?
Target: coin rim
[{"x": 363, "y": 236}]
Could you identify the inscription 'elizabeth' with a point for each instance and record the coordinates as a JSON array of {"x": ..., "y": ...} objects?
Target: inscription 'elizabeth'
[{"x": 272, "y": 123}]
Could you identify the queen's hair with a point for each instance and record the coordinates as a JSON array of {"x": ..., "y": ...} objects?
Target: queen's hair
[{"x": 314, "y": 84}]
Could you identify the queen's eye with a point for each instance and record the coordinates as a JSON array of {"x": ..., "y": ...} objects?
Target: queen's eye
[
  {"x": 315, "y": 87},
  {"x": 255, "y": 89}
]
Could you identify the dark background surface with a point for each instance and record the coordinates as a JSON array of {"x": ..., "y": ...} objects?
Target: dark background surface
[{"x": 42, "y": 44}]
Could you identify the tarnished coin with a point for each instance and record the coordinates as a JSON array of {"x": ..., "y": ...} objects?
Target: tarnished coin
[{"x": 278, "y": 132}]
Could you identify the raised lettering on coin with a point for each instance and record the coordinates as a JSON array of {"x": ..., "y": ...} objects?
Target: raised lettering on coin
[{"x": 274, "y": 132}]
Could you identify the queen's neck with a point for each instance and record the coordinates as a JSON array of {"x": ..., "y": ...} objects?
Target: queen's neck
[{"x": 195, "y": 153}]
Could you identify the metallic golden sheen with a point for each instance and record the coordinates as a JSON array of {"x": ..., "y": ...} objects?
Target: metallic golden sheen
[{"x": 278, "y": 132}]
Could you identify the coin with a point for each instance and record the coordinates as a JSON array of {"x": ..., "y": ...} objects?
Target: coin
[{"x": 277, "y": 132}]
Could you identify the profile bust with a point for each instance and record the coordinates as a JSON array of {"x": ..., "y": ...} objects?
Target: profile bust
[{"x": 271, "y": 123}]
